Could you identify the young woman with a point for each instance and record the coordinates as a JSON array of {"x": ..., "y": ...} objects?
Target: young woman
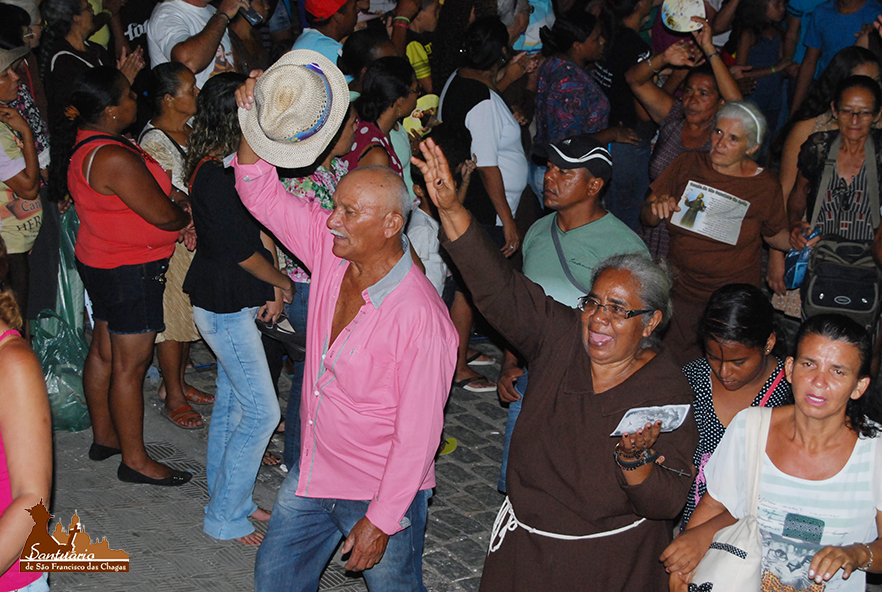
[
  {"x": 231, "y": 282},
  {"x": 173, "y": 95},
  {"x": 738, "y": 370},
  {"x": 128, "y": 229},
  {"x": 389, "y": 94},
  {"x": 818, "y": 488}
]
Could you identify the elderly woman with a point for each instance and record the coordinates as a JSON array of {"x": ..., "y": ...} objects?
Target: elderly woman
[
  {"x": 844, "y": 213},
  {"x": 584, "y": 509},
  {"x": 818, "y": 488},
  {"x": 685, "y": 123},
  {"x": 742, "y": 202}
]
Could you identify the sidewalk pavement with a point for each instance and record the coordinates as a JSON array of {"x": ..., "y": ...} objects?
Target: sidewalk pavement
[{"x": 161, "y": 527}]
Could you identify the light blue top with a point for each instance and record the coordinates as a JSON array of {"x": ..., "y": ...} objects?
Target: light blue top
[{"x": 830, "y": 31}]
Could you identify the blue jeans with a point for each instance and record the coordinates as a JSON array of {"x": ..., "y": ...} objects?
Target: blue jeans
[
  {"x": 245, "y": 414},
  {"x": 537, "y": 181},
  {"x": 303, "y": 533},
  {"x": 296, "y": 312},
  {"x": 629, "y": 183},
  {"x": 514, "y": 409}
]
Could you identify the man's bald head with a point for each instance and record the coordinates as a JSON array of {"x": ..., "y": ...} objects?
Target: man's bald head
[{"x": 385, "y": 184}]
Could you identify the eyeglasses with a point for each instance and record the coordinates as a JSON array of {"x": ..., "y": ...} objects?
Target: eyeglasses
[
  {"x": 590, "y": 305},
  {"x": 859, "y": 114}
]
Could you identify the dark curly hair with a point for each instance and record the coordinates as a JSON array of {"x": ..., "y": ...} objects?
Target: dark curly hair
[
  {"x": 216, "y": 130},
  {"x": 92, "y": 93},
  {"x": 862, "y": 415},
  {"x": 58, "y": 16},
  {"x": 385, "y": 81}
]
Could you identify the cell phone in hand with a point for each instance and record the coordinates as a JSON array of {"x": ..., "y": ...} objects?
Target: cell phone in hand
[{"x": 251, "y": 15}]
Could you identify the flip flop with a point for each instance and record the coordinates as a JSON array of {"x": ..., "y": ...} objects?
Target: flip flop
[
  {"x": 448, "y": 445},
  {"x": 476, "y": 361},
  {"x": 180, "y": 415},
  {"x": 466, "y": 383},
  {"x": 194, "y": 395}
]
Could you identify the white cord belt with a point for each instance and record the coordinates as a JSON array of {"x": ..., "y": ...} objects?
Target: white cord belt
[{"x": 507, "y": 521}]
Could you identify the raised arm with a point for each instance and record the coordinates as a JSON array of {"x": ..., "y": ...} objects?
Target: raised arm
[
  {"x": 198, "y": 51},
  {"x": 517, "y": 307}
]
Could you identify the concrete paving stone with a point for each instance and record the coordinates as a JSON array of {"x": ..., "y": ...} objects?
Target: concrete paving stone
[
  {"x": 464, "y": 436},
  {"x": 468, "y": 551},
  {"x": 454, "y": 409},
  {"x": 470, "y": 585},
  {"x": 478, "y": 425},
  {"x": 466, "y": 456},
  {"x": 486, "y": 473},
  {"x": 467, "y": 504},
  {"x": 488, "y": 494},
  {"x": 446, "y": 565},
  {"x": 451, "y": 472},
  {"x": 459, "y": 523},
  {"x": 493, "y": 410}
]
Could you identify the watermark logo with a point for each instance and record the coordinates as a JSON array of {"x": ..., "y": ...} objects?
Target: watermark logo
[{"x": 70, "y": 550}]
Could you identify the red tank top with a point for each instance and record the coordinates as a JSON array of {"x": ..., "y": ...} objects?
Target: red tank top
[{"x": 111, "y": 234}]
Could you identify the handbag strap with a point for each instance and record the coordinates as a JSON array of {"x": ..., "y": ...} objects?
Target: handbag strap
[
  {"x": 563, "y": 262},
  {"x": 757, "y": 434},
  {"x": 167, "y": 135},
  {"x": 771, "y": 389},
  {"x": 826, "y": 178}
]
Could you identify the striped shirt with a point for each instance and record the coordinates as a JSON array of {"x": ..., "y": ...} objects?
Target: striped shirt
[
  {"x": 846, "y": 208},
  {"x": 798, "y": 517}
]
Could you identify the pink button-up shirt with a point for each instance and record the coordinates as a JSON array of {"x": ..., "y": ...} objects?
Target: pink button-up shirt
[{"x": 373, "y": 400}]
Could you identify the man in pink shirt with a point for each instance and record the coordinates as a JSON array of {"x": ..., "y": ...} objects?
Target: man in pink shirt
[{"x": 381, "y": 352}]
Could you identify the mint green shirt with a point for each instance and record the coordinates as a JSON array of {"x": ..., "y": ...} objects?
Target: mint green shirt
[{"x": 583, "y": 248}]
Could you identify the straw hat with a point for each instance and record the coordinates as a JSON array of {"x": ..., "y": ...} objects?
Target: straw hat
[
  {"x": 10, "y": 56},
  {"x": 299, "y": 104},
  {"x": 30, "y": 6}
]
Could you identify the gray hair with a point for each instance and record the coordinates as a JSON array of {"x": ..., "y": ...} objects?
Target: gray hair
[
  {"x": 655, "y": 288},
  {"x": 404, "y": 202},
  {"x": 509, "y": 9},
  {"x": 751, "y": 118}
]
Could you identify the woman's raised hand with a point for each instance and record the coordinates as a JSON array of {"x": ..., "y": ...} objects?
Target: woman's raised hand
[
  {"x": 245, "y": 93},
  {"x": 681, "y": 53},
  {"x": 439, "y": 180},
  {"x": 704, "y": 36}
]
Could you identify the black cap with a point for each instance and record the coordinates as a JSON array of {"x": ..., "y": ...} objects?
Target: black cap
[{"x": 582, "y": 152}]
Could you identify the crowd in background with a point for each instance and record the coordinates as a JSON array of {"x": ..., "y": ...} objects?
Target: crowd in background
[{"x": 609, "y": 200}]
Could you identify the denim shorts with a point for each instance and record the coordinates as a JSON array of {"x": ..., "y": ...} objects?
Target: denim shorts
[{"x": 129, "y": 297}]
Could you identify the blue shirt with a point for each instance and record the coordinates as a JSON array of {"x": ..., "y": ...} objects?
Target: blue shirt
[
  {"x": 830, "y": 31},
  {"x": 330, "y": 48}
]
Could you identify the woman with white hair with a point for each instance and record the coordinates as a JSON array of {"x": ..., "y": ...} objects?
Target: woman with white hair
[{"x": 742, "y": 207}]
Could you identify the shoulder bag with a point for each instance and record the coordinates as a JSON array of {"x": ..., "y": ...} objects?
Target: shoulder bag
[{"x": 733, "y": 563}]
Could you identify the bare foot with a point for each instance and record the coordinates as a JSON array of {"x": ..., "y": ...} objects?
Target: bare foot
[
  {"x": 270, "y": 459},
  {"x": 261, "y": 515},
  {"x": 254, "y": 539}
]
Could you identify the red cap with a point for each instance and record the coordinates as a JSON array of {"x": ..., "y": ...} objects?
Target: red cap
[{"x": 323, "y": 9}]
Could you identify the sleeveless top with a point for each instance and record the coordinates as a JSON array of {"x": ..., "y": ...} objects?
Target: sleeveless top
[
  {"x": 13, "y": 579},
  {"x": 367, "y": 136},
  {"x": 710, "y": 429},
  {"x": 111, "y": 234}
]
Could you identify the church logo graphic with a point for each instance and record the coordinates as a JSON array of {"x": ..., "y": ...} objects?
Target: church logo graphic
[{"x": 70, "y": 550}]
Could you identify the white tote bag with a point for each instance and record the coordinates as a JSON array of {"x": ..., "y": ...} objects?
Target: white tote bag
[{"x": 734, "y": 561}]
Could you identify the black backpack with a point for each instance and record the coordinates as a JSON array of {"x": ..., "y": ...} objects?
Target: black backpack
[{"x": 842, "y": 276}]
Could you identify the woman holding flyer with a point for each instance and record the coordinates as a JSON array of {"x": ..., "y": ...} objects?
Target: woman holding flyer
[{"x": 719, "y": 242}]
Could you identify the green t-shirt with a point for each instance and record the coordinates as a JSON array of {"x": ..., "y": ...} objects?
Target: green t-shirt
[{"x": 583, "y": 248}]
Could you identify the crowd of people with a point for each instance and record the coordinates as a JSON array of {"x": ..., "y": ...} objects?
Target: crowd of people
[{"x": 617, "y": 208}]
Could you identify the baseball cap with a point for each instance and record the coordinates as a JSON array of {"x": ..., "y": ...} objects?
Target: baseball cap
[{"x": 582, "y": 152}]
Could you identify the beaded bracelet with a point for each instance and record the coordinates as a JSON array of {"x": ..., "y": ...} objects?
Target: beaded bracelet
[
  {"x": 645, "y": 458},
  {"x": 870, "y": 562}
]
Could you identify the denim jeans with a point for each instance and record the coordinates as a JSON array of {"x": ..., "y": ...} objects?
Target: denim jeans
[
  {"x": 303, "y": 533},
  {"x": 296, "y": 312},
  {"x": 514, "y": 409},
  {"x": 629, "y": 183},
  {"x": 537, "y": 182},
  {"x": 245, "y": 414}
]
